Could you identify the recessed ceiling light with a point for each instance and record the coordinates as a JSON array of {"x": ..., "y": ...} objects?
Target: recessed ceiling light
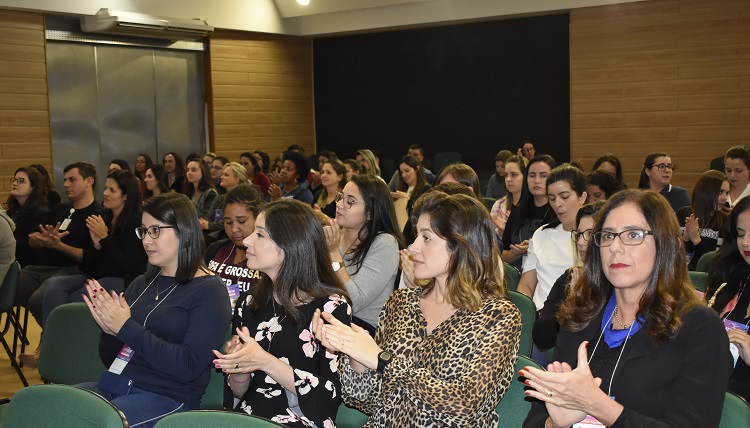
[{"x": 303, "y": 2}]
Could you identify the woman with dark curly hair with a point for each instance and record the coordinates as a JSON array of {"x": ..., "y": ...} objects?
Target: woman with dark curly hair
[
  {"x": 636, "y": 346},
  {"x": 728, "y": 294}
]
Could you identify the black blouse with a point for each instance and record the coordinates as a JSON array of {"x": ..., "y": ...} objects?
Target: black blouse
[{"x": 316, "y": 376}]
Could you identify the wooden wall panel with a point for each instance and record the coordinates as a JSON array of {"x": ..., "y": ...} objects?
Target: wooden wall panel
[
  {"x": 24, "y": 110},
  {"x": 261, "y": 93},
  {"x": 660, "y": 75}
]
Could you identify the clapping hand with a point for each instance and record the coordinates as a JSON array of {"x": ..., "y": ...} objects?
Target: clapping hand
[
  {"x": 567, "y": 393},
  {"x": 110, "y": 310}
]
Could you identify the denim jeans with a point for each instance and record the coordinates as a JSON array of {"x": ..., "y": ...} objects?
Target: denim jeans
[
  {"x": 60, "y": 290},
  {"x": 142, "y": 409}
]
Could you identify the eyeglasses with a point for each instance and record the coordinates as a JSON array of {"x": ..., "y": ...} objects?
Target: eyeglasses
[
  {"x": 19, "y": 180},
  {"x": 629, "y": 237},
  {"x": 663, "y": 166},
  {"x": 576, "y": 234},
  {"x": 153, "y": 231},
  {"x": 349, "y": 201}
]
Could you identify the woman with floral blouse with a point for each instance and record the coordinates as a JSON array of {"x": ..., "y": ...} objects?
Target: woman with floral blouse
[
  {"x": 444, "y": 353},
  {"x": 275, "y": 367}
]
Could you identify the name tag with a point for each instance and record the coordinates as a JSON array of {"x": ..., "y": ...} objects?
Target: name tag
[
  {"x": 588, "y": 422},
  {"x": 64, "y": 225},
  {"x": 122, "y": 360}
]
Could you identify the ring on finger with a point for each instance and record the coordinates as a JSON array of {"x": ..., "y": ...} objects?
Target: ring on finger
[
  {"x": 237, "y": 366},
  {"x": 549, "y": 393}
]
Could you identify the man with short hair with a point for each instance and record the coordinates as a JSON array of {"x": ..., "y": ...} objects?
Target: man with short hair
[
  {"x": 416, "y": 151},
  {"x": 63, "y": 240},
  {"x": 217, "y": 167}
]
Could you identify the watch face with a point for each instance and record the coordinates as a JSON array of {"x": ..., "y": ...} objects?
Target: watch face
[{"x": 386, "y": 356}]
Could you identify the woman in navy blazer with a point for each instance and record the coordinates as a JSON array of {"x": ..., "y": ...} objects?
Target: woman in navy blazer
[{"x": 637, "y": 347}]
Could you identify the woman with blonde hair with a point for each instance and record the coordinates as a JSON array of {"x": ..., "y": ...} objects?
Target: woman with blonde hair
[
  {"x": 369, "y": 162},
  {"x": 444, "y": 353}
]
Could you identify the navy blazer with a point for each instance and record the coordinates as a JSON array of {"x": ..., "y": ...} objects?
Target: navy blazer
[{"x": 679, "y": 383}]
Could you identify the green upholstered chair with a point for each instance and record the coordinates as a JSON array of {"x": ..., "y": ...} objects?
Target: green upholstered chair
[
  {"x": 443, "y": 159},
  {"x": 705, "y": 261},
  {"x": 61, "y": 406},
  {"x": 699, "y": 280},
  {"x": 7, "y": 298},
  {"x": 736, "y": 412},
  {"x": 213, "y": 419},
  {"x": 528, "y": 317},
  {"x": 348, "y": 417},
  {"x": 213, "y": 398},
  {"x": 489, "y": 202},
  {"x": 514, "y": 406},
  {"x": 70, "y": 346},
  {"x": 512, "y": 277}
]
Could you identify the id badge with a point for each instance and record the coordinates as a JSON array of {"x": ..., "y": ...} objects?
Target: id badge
[
  {"x": 122, "y": 360},
  {"x": 64, "y": 225},
  {"x": 588, "y": 422}
]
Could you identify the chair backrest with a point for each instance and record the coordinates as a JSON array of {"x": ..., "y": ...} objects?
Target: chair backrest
[
  {"x": 213, "y": 419},
  {"x": 350, "y": 418},
  {"x": 512, "y": 276},
  {"x": 443, "y": 159},
  {"x": 528, "y": 317},
  {"x": 704, "y": 261},
  {"x": 489, "y": 202},
  {"x": 699, "y": 280},
  {"x": 213, "y": 398},
  {"x": 735, "y": 413},
  {"x": 514, "y": 406},
  {"x": 8, "y": 287},
  {"x": 61, "y": 406},
  {"x": 70, "y": 346}
]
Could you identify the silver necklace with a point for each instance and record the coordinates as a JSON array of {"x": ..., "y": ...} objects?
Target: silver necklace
[
  {"x": 617, "y": 317},
  {"x": 168, "y": 289}
]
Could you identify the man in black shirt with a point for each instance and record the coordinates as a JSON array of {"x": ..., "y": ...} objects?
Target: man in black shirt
[{"x": 63, "y": 240}]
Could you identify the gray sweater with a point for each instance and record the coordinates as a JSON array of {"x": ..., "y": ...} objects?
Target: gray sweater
[{"x": 370, "y": 287}]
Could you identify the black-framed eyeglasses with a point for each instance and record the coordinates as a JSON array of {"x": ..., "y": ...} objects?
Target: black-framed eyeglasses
[
  {"x": 152, "y": 231},
  {"x": 19, "y": 180},
  {"x": 629, "y": 237},
  {"x": 576, "y": 234},
  {"x": 663, "y": 166},
  {"x": 349, "y": 201}
]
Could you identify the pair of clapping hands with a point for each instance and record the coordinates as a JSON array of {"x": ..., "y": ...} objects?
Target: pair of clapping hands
[{"x": 50, "y": 236}]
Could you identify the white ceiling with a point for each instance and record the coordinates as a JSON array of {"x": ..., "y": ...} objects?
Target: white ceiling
[
  {"x": 320, "y": 17},
  {"x": 292, "y": 9}
]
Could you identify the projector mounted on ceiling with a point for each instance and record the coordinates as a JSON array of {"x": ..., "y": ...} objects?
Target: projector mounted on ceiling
[{"x": 140, "y": 25}]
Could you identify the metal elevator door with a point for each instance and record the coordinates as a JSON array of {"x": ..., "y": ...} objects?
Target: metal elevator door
[{"x": 110, "y": 102}]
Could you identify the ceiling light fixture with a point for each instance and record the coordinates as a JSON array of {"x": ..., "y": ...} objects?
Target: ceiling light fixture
[{"x": 303, "y": 2}]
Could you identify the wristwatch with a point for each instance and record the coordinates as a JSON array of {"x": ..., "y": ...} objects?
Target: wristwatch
[
  {"x": 384, "y": 358},
  {"x": 336, "y": 266}
]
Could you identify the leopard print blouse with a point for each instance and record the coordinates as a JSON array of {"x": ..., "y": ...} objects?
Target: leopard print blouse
[{"x": 452, "y": 377}]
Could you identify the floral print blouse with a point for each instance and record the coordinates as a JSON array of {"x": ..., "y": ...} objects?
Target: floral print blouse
[
  {"x": 451, "y": 377},
  {"x": 316, "y": 376}
]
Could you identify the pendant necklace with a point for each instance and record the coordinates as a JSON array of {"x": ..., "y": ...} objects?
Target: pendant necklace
[{"x": 160, "y": 293}]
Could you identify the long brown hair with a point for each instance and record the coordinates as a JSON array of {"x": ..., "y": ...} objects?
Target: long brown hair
[
  {"x": 474, "y": 269},
  {"x": 306, "y": 270},
  {"x": 669, "y": 293}
]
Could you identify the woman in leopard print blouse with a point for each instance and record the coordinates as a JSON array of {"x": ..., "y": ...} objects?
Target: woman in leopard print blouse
[{"x": 444, "y": 353}]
